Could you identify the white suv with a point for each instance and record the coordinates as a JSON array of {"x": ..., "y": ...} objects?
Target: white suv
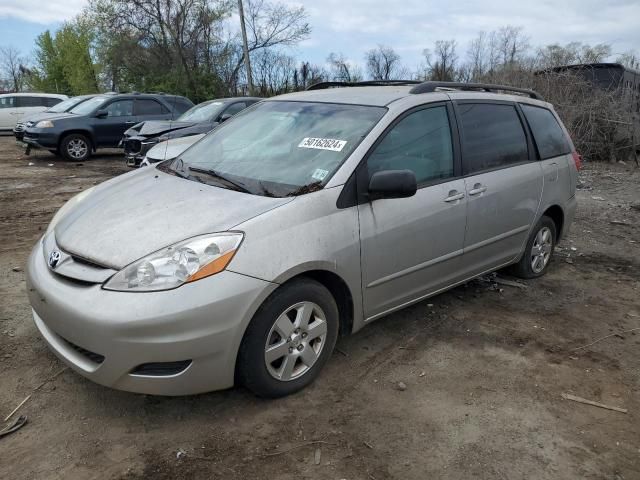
[{"x": 16, "y": 106}]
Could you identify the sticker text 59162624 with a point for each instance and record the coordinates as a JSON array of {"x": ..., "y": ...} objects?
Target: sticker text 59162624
[{"x": 323, "y": 144}]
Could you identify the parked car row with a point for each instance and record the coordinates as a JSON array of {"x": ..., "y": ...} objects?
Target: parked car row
[
  {"x": 76, "y": 127},
  {"x": 200, "y": 119}
]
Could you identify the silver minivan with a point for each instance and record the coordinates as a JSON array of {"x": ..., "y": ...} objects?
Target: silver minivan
[{"x": 304, "y": 217}]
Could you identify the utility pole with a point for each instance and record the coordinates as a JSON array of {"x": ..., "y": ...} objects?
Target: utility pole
[{"x": 245, "y": 45}]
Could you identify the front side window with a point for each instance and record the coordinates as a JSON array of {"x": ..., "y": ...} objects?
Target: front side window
[
  {"x": 420, "y": 142},
  {"x": 492, "y": 136},
  {"x": 203, "y": 112},
  {"x": 121, "y": 108},
  {"x": 278, "y": 148},
  {"x": 7, "y": 102},
  {"x": 549, "y": 137},
  {"x": 235, "y": 108}
]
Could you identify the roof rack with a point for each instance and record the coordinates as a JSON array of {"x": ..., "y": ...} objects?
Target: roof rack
[
  {"x": 366, "y": 83},
  {"x": 431, "y": 86}
]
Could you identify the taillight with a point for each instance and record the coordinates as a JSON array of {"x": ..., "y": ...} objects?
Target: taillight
[{"x": 577, "y": 159}]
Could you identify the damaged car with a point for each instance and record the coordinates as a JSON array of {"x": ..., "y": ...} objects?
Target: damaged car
[
  {"x": 201, "y": 119},
  {"x": 170, "y": 149}
]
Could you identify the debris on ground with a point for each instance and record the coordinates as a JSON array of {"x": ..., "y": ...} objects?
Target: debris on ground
[
  {"x": 574, "y": 398},
  {"x": 617, "y": 334},
  {"x": 20, "y": 422},
  {"x": 180, "y": 453},
  {"x": 401, "y": 386},
  {"x": 16, "y": 269},
  {"x": 316, "y": 456}
]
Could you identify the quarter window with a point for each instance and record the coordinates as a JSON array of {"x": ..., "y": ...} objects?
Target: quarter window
[
  {"x": 122, "y": 108},
  {"x": 549, "y": 137},
  {"x": 420, "y": 142},
  {"x": 492, "y": 136}
]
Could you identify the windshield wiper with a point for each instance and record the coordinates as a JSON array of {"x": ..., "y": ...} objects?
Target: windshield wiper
[{"x": 212, "y": 173}]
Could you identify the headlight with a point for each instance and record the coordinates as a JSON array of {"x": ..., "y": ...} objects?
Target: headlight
[
  {"x": 73, "y": 201},
  {"x": 44, "y": 124},
  {"x": 178, "y": 264}
]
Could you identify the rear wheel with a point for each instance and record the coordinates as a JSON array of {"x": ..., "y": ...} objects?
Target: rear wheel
[
  {"x": 539, "y": 250},
  {"x": 75, "y": 147},
  {"x": 289, "y": 339}
]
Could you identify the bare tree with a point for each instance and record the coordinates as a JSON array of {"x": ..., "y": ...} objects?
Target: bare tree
[
  {"x": 629, "y": 59},
  {"x": 511, "y": 44},
  {"x": 477, "y": 61},
  {"x": 342, "y": 70},
  {"x": 383, "y": 63},
  {"x": 12, "y": 67},
  {"x": 442, "y": 61}
]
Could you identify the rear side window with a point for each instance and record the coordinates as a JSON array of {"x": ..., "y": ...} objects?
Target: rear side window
[
  {"x": 492, "y": 136},
  {"x": 32, "y": 101},
  {"x": 420, "y": 142},
  {"x": 179, "y": 104},
  {"x": 148, "y": 107},
  {"x": 547, "y": 133}
]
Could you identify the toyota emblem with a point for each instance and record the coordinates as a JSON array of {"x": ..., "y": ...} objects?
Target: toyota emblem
[{"x": 54, "y": 258}]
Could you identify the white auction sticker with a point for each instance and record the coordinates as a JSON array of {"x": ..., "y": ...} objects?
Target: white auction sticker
[
  {"x": 319, "y": 174},
  {"x": 323, "y": 144}
]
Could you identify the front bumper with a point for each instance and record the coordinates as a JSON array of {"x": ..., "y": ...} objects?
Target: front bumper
[
  {"x": 106, "y": 335},
  {"x": 135, "y": 149},
  {"x": 41, "y": 139}
]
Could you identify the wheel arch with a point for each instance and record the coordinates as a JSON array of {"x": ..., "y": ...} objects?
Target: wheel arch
[
  {"x": 81, "y": 131},
  {"x": 555, "y": 213},
  {"x": 340, "y": 291}
]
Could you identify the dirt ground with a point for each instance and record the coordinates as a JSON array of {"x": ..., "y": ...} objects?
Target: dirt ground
[{"x": 484, "y": 369}]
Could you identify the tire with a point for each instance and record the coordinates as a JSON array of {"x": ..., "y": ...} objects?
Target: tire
[
  {"x": 545, "y": 234},
  {"x": 294, "y": 360},
  {"x": 75, "y": 147}
]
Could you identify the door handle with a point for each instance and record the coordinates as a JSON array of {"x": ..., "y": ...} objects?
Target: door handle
[
  {"x": 477, "y": 189},
  {"x": 454, "y": 196}
]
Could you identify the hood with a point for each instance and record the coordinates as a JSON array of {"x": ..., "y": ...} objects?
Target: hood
[
  {"x": 141, "y": 212},
  {"x": 172, "y": 148},
  {"x": 152, "y": 128},
  {"x": 35, "y": 118},
  {"x": 61, "y": 116}
]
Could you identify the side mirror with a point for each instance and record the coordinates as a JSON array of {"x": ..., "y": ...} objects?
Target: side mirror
[
  {"x": 225, "y": 117},
  {"x": 102, "y": 114},
  {"x": 392, "y": 184}
]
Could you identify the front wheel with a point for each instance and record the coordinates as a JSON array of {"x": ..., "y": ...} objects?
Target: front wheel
[
  {"x": 289, "y": 339},
  {"x": 539, "y": 250},
  {"x": 75, "y": 147}
]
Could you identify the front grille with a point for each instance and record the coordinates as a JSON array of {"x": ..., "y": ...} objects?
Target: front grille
[
  {"x": 132, "y": 146},
  {"x": 92, "y": 356},
  {"x": 161, "y": 369}
]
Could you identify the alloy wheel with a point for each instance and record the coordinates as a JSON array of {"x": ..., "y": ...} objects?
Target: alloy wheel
[
  {"x": 295, "y": 341},
  {"x": 541, "y": 249},
  {"x": 77, "y": 148}
]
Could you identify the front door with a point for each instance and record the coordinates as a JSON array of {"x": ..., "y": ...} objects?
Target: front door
[
  {"x": 120, "y": 117},
  {"x": 411, "y": 247},
  {"x": 8, "y": 112},
  {"x": 503, "y": 183}
]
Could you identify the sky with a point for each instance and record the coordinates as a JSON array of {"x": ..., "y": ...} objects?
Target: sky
[{"x": 355, "y": 26}]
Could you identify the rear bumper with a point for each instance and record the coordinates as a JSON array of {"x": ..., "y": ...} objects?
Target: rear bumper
[
  {"x": 105, "y": 336},
  {"x": 569, "y": 215}
]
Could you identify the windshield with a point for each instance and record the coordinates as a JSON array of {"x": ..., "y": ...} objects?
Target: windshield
[
  {"x": 280, "y": 148},
  {"x": 66, "y": 104},
  {"x": 88, "y": 106},
  {"x": 202, "y": 112}
]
